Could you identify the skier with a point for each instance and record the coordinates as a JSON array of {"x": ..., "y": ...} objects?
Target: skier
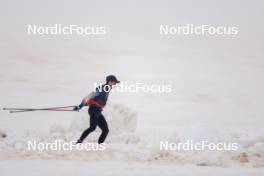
[{"x": 96, "y": 102}]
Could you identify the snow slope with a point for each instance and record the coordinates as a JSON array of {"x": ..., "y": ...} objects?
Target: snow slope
[{"x": 217, "y": 87}]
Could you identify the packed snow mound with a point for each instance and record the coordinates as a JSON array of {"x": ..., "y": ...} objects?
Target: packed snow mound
[
  {"x": 249, "y": 150},
  {"x": 121, "y": 119},
  {"x": 143, "y": 146}
]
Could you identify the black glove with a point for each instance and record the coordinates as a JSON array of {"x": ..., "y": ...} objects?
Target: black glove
[{"x": 77, "y": 108}]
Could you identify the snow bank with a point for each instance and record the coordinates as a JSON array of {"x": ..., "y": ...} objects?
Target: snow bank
[
  {"x": 110, "y": 168},
  {"x": 125, "y": 143},
  {"x": 121, "y": 119}
]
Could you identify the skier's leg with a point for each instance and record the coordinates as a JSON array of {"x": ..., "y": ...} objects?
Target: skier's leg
[
  {"x": 94, "y": 115},
  {"x": 104, "y": 127}
]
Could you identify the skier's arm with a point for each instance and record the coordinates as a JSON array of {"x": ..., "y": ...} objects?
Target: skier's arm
[
  {"x": 85, "y": 100},
  {"x": 82, "y": 104}
]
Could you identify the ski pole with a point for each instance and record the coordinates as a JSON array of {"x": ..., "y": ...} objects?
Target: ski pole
[
  {"x": 15, "y": 111},
  {"x": 62, "y": 107}
]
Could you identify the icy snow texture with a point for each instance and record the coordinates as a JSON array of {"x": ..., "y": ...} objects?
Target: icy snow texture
[{"x": 126, "y": 144}]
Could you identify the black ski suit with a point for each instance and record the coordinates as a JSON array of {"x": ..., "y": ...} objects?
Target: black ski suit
[{"x": 96, "y": 116}]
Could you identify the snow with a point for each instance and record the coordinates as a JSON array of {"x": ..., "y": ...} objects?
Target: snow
[
  {"x": 62, "y": 167},
  {"x": 140, "y": 146},
  {"x": 217, "y": 88},
  {"x": 200, "y": 132}
]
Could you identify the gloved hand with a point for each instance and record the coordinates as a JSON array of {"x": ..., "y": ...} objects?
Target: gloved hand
[{"x": 77, "y": 108}]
